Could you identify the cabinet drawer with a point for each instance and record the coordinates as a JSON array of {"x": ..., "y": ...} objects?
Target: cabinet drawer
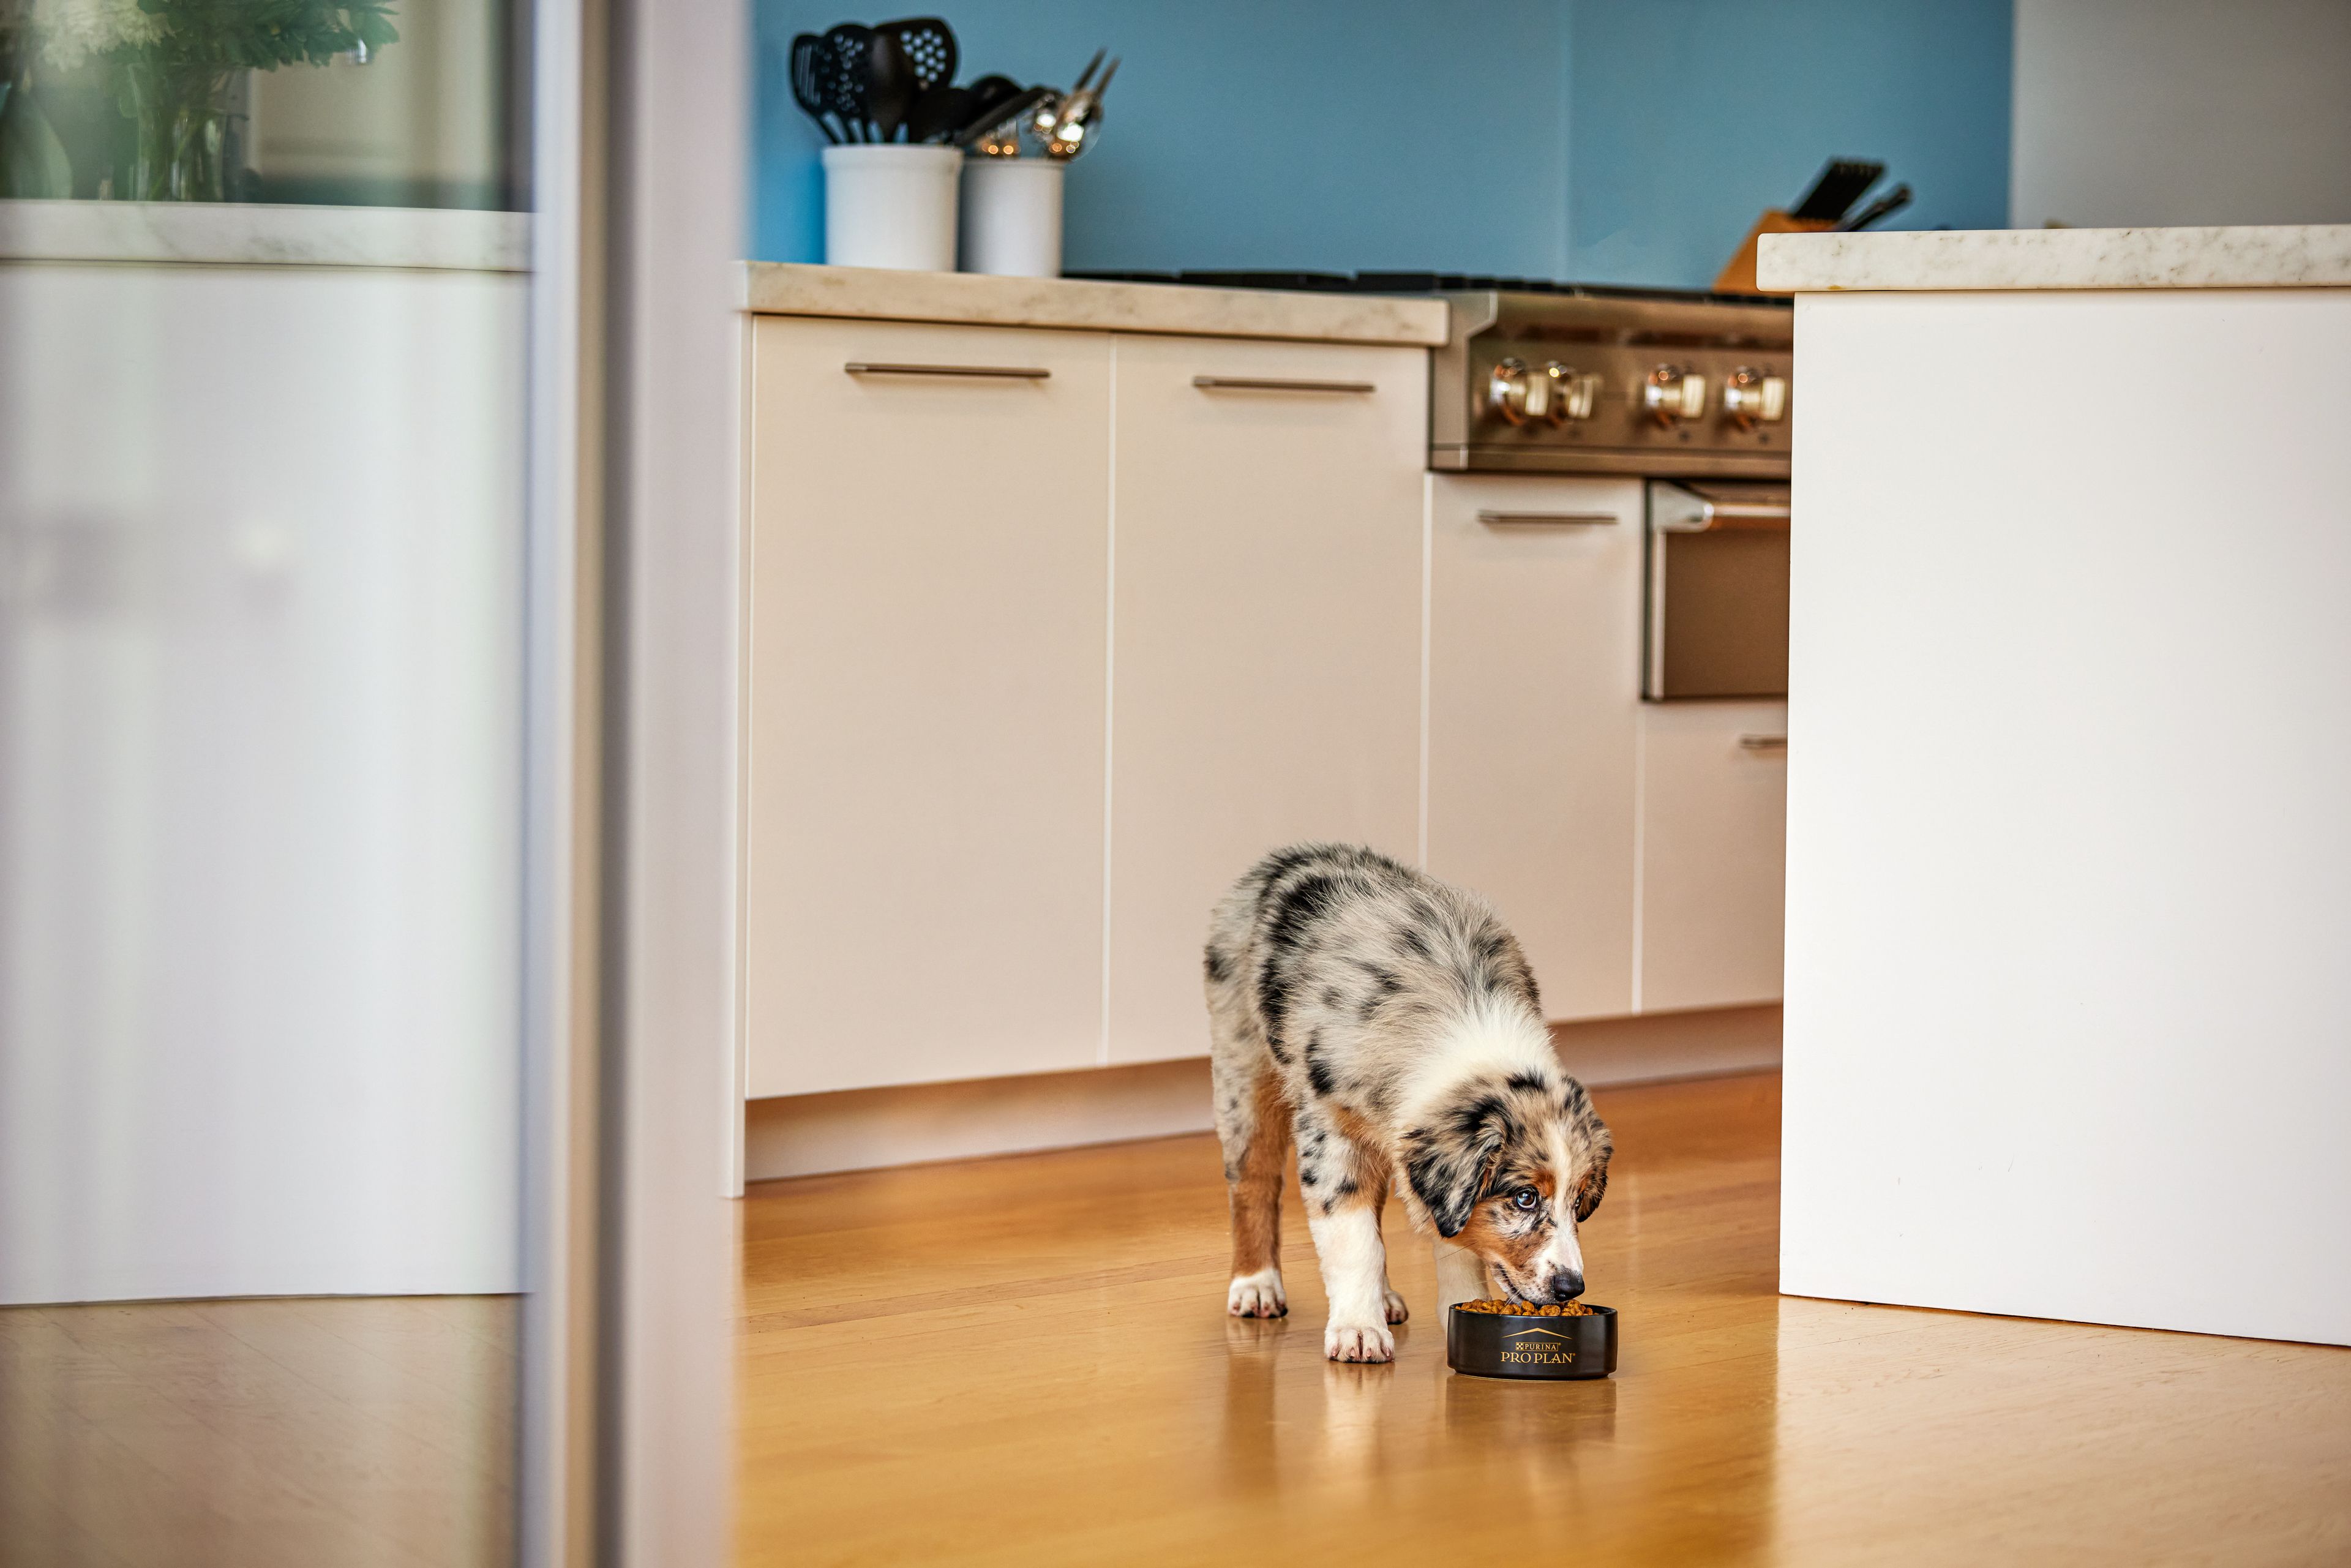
[
  {"x": 925, "y": 668},
  {"x": 1714, "y": 807}
]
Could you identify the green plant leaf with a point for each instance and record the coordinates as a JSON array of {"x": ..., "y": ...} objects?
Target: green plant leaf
[{"x": 260, "y": 34}]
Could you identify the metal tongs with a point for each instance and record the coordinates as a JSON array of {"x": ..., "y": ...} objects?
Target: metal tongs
[{"x": 1064, "y": 126}]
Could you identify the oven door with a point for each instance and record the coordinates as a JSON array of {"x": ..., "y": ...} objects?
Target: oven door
[{"x": 1717, "y": 621}]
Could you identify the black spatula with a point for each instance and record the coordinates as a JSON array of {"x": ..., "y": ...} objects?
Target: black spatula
[
  {"x": 809, "y": 84},
  {"x": 938, "y": 113}
]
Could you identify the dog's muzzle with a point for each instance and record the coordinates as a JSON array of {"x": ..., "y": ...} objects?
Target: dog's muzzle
[{"x": 1566, "y": 1285}]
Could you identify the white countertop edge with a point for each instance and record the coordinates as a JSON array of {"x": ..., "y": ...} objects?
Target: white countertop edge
[
  {"x": 231, "y": 234},
  {"x": 786, "y": 288},
  {"x": 2317, "y": 256}
]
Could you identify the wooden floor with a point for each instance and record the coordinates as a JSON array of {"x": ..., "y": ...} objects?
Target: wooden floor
[
  {"x": 302, "y": 1433},
  {"x": 1027, "y": 1361}
]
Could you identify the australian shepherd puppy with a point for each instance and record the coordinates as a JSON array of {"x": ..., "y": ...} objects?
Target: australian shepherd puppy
[{"x": 1387, "y": 1023}]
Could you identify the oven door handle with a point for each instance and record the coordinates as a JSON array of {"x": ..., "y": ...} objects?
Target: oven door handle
[{"x": 1718, "y": 517}]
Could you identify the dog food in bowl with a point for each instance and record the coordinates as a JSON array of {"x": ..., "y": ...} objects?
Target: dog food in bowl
[
  {"x": 1516, "y": 1339},
  {"x": 1528, "y": 1310}
]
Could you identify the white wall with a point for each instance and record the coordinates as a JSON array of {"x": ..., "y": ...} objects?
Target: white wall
[
  {"x": 428, "y": 108},
  {"x": 2068, "y": 1019},
  {"x": 2155, "y": 112},
  {"x": 260, "y": 628}
]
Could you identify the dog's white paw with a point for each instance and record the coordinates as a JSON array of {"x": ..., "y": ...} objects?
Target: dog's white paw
[
  {"x": 1359, "y": 1343},
  {"x": 1257, "y": 1295},
  {"x": 1398, "y": 1310}
]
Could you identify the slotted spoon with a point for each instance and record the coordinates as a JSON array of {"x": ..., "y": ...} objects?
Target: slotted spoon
[
  {"x": 848, "y": 48},
  {"x": 930, "y": 44}
]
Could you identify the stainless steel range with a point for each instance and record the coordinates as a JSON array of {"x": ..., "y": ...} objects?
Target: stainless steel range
[
  {"x": 1694, "y": 393},
  {"x": 1571, "y": 381}
]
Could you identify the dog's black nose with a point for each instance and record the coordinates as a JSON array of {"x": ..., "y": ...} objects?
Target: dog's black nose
[{"x": 1566, "y": 1287}]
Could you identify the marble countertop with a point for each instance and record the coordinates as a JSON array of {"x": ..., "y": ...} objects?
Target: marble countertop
[
  {"x": 778, "y": 289},
  {"x": 227, "y": 234},
  {"x": 2310, "y": 256}
]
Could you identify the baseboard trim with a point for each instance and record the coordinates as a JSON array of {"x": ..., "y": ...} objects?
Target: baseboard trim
[
  {"x": 1654, "y": 1047},
  {"x": 866, "y": 1129}
]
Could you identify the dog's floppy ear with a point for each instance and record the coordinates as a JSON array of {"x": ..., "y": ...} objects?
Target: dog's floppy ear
[
  {"x": 1448, "y": 1165},
  {"x": 1595, "y": 1185}
]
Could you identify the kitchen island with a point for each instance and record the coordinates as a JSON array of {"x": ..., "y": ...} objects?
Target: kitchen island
[{"x": 2068, "y": 1018}]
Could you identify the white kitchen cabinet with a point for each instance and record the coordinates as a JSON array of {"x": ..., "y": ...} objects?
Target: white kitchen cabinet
[
  {"x": 1713, "y": 856},
  {"x": 1533, "y": 702},
  {"x": 1266, "y": 661},
  {"x": 924, "y": 665}
]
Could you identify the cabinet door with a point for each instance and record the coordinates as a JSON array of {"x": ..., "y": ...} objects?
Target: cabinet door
[
  {"x": 1714, "y": 812},
  {"x": 1533, "y": 698},
  {"x": 1266, "y": 671},
  {"x": 923, "y": 816}
]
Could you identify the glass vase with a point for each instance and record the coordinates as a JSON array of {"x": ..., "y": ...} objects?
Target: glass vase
[{"x": 180, "y": 117}]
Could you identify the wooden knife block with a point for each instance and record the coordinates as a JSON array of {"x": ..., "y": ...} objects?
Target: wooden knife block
[{"x": 1738, "y": 276}]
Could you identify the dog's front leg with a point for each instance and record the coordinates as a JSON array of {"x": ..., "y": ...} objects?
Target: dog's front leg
[
  {"x": 1343, "y": 1187},
  {"x": 1355, "y": 1276},
  {"x": 1460, "y": 1276}
]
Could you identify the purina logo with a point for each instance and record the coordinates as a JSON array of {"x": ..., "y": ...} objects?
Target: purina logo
[{"x": 1538, "y": 1354}]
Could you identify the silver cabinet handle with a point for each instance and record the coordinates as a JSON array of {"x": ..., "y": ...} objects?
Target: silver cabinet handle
[
  {"x": 1580, "y": 519},
  {"x": 1763, "y": 743},
  {"x": 1275, "y": 383},
  {"x": 994, "y": 373}
]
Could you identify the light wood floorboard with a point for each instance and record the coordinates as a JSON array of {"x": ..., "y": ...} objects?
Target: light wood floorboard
[
  {"x": 255, "y": 1433},
  {"x": 1027, "y": 1361}
]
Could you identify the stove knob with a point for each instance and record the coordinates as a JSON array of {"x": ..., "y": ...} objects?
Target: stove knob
[
  {"x": 1509, "y": 390},
  {"x": 1752, "y": 398},
  {"x": 1568, "y": 394},
  {"x": 1674, "y": 394}
]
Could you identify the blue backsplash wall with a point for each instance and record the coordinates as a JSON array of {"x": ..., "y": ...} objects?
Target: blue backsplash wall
[
  {"x": 1687, "y": 118},
  {"x": 1613, "y": 141}
]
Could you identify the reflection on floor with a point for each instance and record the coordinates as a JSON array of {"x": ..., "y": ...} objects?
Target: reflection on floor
[
  {"x": 351, "y": 1432},
  {"x": 1027, "y": 1361}
]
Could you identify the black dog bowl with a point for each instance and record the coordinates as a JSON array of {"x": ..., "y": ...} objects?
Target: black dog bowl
[{"x": 1507, "y": 1344}]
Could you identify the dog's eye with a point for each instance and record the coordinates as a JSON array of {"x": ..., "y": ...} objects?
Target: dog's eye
[{"x": 1527, "y": 1198}]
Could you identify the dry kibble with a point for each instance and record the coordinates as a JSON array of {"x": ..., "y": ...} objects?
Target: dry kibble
[{"x": 1527, "y": 1309}]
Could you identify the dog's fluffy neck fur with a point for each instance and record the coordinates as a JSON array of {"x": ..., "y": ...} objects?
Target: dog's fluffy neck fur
[{"x": 1491, "y": 1039}]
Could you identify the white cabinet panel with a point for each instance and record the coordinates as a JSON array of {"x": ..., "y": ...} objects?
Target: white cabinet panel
[
  {"x": 1533, "y": 694},
  {"x": 261, "y": 633},
  {"x": 2070, "y": 880},
  {"x": 1266, "y": 665},
  {"x": 925, "y": 667},
  {"x": 1714, "y": 808}
]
